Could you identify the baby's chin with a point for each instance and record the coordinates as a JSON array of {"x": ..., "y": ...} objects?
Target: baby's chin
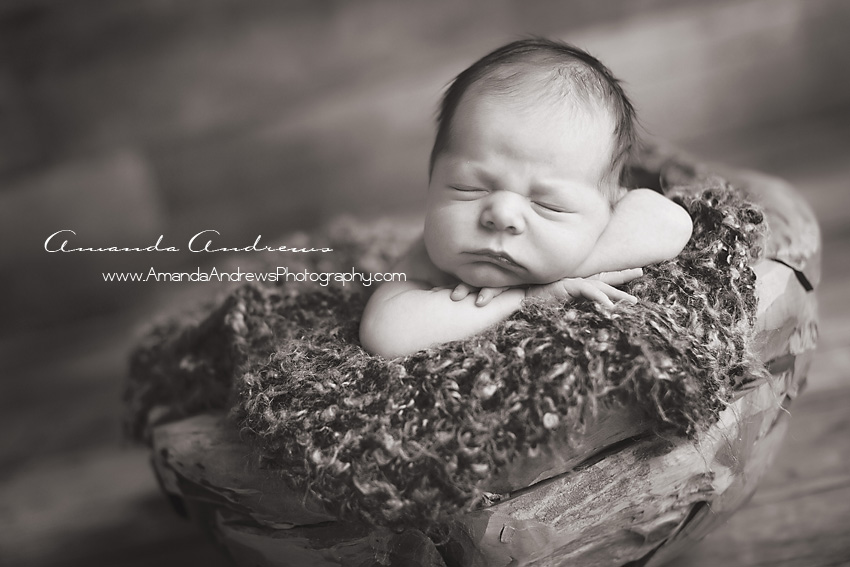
[{"x": 484, "y": 274}]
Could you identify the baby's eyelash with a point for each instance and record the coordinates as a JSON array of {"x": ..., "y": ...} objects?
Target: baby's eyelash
[
  {"x": 553, "y": 208},
  {"x": 466, "y": 189}
]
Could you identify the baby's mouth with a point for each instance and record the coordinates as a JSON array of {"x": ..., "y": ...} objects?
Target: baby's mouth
[{"x": 498, "y": 258}]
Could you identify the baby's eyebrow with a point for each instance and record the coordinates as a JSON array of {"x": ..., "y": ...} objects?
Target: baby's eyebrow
[{"x": 481, "y": 174}]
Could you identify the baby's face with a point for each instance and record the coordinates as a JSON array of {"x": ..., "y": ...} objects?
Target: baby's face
[{"x": 515, "y": 198}]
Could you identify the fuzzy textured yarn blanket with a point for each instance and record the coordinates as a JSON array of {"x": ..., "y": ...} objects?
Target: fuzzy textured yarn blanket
[{"x": 407, "y": 442}]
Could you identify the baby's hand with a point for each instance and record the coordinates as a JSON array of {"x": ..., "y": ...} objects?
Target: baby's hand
[
  {"x": 599, "y": 287},
  {"x": 619, "y": 277},
  {"x": 485, "y": 294}
]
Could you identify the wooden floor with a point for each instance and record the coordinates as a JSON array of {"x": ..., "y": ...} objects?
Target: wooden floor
[{"x": 72, "y": 494}]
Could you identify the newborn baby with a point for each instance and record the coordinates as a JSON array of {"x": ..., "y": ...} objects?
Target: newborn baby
[{"x": 524, "y": 200}]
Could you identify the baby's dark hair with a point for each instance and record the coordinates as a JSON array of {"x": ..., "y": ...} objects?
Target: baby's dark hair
[{"x": 566, "y": 71}]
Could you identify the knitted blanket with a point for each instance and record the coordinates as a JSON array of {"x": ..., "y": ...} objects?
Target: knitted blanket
[{"x": 406, "y": 442}]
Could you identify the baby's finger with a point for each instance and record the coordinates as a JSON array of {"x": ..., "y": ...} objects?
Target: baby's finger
[
  {"x": 619, "y": 277},
  {"x": 460, "y": 291},
  {"x": 615, "y": 294},
  {"x": 488, "y": 293},
  {"x": 594, "y": 293}
]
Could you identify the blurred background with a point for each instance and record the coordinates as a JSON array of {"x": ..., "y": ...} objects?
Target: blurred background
[{"x": 129, "y": 120}]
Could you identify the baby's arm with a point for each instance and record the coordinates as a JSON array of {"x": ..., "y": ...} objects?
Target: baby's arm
[
  {"x": 404, "y": 317},
  {"x": 646, "y": 227}
]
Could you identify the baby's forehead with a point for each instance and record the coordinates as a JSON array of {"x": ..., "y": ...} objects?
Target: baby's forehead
[{"x": 565, "y": 112}]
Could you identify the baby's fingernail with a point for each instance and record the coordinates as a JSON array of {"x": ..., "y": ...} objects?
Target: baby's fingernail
[{"x": 479, "y": 300}]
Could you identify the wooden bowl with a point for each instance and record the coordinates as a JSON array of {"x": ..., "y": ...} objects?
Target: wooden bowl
[{"x": 618, "y": 495}]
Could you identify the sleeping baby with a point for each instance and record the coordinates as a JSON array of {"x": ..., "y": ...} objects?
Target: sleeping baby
[{"x": 524, "y": 200}]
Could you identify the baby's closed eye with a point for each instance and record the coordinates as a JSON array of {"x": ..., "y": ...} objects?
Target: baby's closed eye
[
  {"x": 468, "y": 189},
  {"x": 551, "y": 207}
]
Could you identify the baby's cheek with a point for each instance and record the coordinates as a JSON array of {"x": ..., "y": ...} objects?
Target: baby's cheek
[
  {"x": 444, "y": 231},
  {"x": 560, "y": 257},
  {"x": 439, "y": 249}
]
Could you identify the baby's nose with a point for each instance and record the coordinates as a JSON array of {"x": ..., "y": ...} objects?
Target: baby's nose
[{"x": 503, "y": 212}]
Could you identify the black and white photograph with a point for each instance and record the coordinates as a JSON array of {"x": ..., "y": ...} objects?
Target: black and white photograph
[{"x": 425, "y": 284}]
